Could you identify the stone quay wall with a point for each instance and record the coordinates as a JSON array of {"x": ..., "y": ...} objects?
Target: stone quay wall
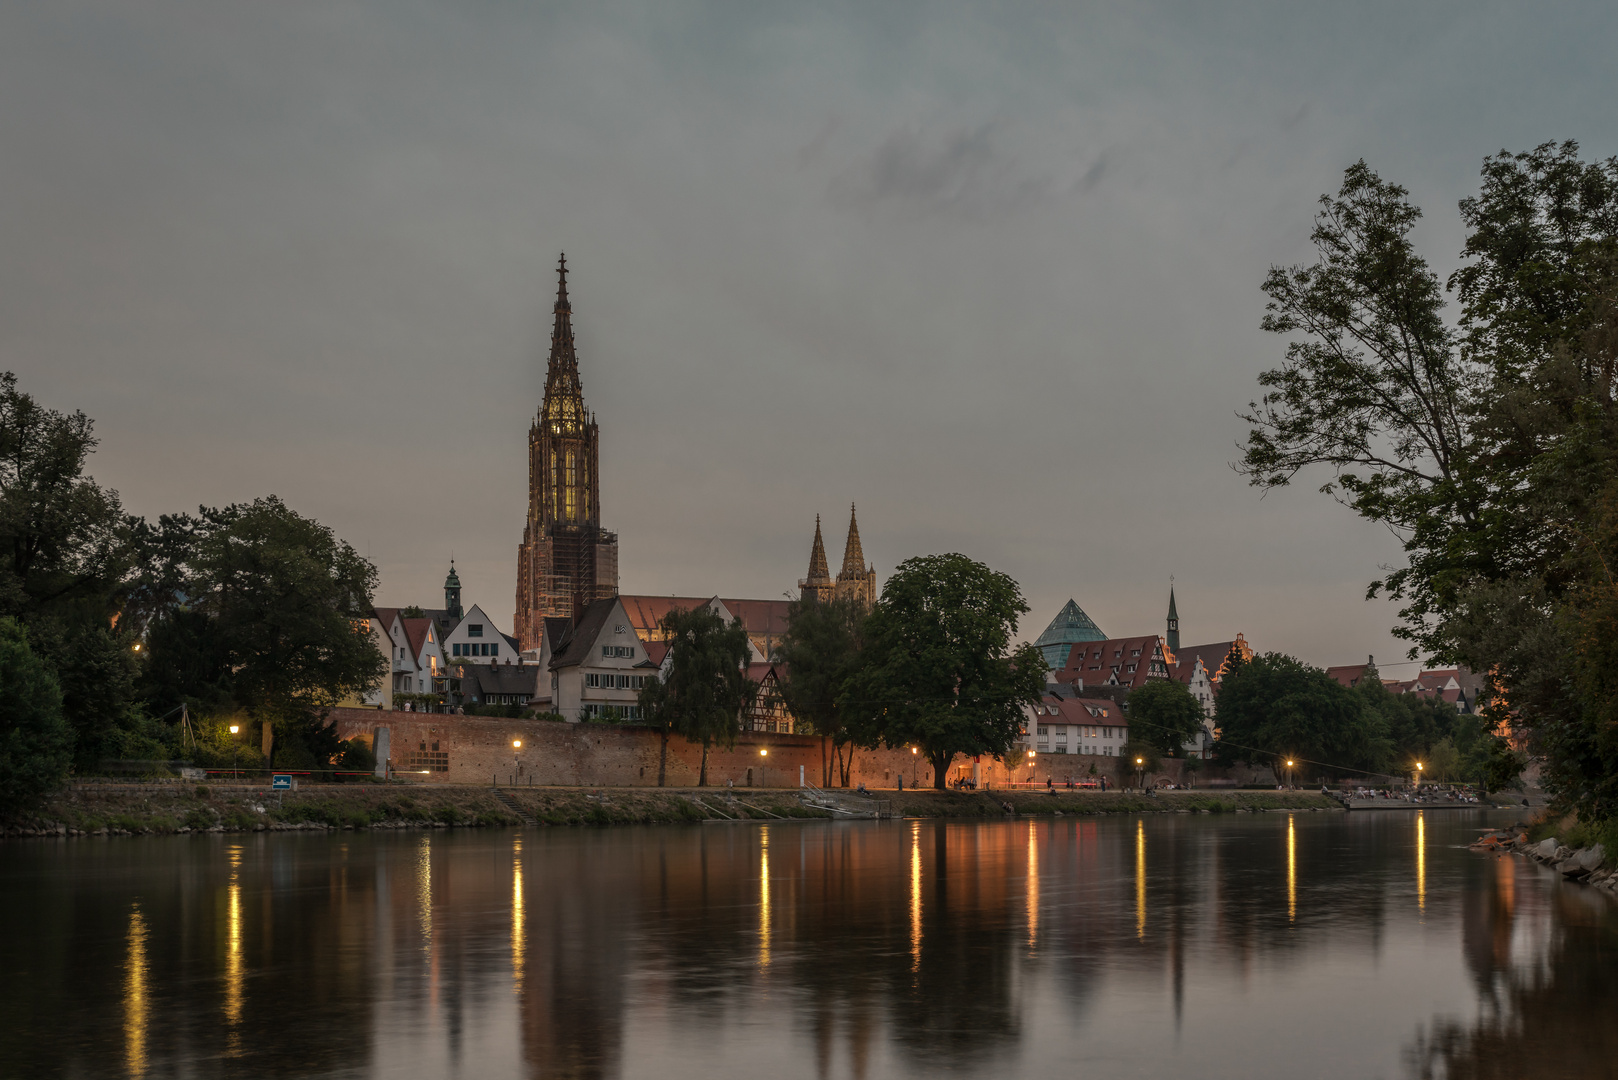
[{"x": 453, "y": 749}]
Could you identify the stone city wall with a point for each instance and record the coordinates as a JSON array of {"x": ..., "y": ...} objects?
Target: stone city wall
[{"x": 443, "y": 748}]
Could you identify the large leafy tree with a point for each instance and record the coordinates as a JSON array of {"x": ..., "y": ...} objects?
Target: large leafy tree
[
  {"x": 1165, "y": 715},
  {"x": 68, "y": 555},
  {"x": 938, "y": 670},
  {"x": 1276, "y": 707},
  {"x": 268, "y": 614},
  {"x": 1490, "y": 448},
  {"x": 820, "y": 652},
  {"x": 35, "y": 742},
  {"x": 704, "y": 689}
]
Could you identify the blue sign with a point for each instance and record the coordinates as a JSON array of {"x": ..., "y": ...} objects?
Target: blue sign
[{"x": 281, "y": 782}]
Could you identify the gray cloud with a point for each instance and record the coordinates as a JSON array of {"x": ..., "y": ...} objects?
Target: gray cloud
[{"x": 823, "y": 253}]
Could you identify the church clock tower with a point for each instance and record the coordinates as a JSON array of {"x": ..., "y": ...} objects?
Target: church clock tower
[{"x": 566, "y": 560}]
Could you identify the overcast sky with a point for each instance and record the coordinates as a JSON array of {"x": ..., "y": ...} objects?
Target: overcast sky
[{"x": 988, "y": 270}]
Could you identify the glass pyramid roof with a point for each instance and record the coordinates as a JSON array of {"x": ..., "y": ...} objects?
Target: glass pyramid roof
[{"x": 1070, "y": 625}]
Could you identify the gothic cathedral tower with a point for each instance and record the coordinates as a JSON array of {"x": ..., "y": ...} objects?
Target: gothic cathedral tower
[{"x": 566, "y": 560}]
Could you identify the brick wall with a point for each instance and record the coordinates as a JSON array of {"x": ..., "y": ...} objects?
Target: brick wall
[{"x": 437, "y": 748}]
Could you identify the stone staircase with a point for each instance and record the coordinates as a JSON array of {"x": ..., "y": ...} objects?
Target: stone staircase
[{"x": 511, "y": 804}]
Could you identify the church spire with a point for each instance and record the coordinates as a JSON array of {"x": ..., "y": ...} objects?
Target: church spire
[
  {"x": 563, "y": 410},
  {"x": 853, "y": 554},
  {"x": 1173, "y": 636},
  {"x": 819, "y": 572}
]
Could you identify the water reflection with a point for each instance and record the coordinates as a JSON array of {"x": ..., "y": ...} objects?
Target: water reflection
[
  {"x": 233, "y": 950},
  {"x": 1140, "y": 879},
  {"x": 518, "y": 916},
  {"x": 1421, "y": 860},
  {"x": 136, "y": 1001},
  {"x": 840, "y": 949},
  {"x": 1292, "y": 869}
]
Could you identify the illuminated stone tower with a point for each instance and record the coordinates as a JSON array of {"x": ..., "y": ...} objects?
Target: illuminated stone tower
[{"x": 566, "y": 560}]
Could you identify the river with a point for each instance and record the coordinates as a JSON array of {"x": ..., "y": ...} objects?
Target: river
[{"x": 1246, "y": 946}]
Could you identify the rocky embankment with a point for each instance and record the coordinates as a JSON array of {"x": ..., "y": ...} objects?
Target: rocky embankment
[
  {"x": 111, "y": 809},
  {"x": 1588, "y": 864}
]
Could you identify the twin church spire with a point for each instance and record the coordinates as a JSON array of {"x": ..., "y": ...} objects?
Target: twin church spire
[{"x": 855, "y": 579}]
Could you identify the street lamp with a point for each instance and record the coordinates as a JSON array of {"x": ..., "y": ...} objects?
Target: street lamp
[
  {"x": 1289, "y": 772},
  {"x": 1418, "y": 775},
  {"x": 1140, "y": 773},
  {"x": 234, "y": 749},
  {"x": 516, "y": 744}
]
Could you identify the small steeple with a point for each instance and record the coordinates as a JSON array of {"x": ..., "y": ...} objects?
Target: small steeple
[
  {"x": 561, "y": 284},
  {"x": 853, "y": 554},
  {"x": 1173, "y": 636},
  {"x": 819, "y": 573},
  {"x": 452, "y": 592}
]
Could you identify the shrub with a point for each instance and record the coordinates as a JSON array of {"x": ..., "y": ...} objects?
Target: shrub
[{"x": 36, "y": 743}]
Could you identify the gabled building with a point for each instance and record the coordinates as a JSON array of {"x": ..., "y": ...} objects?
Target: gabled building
[
  {"x": 474, "y": 639},
  {"x": 1076, "y": 725},
  {"x": 599, "y": 664},
  {"x": 1127, "y": 662},
  {"x": 766, "y": 620}
]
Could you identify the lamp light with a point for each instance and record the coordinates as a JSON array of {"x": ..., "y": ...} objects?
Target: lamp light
[
  {"x": 516, "y": 744},
  {"x": 764, "y": 751},
  {"x": 234, "y": 729}
]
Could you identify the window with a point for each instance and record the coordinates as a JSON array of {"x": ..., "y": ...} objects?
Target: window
[
  {"x": 494, "y": 650},
  {"x": 1044, "y": 731},
  {"x": 618, "y": 650},
  {"x": 474, "y": 629}
]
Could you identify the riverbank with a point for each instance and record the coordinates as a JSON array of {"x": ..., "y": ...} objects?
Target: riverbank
[{"x": 92, "y": 809}]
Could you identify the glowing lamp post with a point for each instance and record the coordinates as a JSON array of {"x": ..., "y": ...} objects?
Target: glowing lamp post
[
  {"x": 1140, "y": 773},
  {"x": 234, "y": 728},
  {"x": 1418, "y": 775},
  {"x": 1289, "y": 772}
]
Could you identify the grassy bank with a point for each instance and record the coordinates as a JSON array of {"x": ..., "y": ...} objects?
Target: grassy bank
[{"x": 116, "y": 809}]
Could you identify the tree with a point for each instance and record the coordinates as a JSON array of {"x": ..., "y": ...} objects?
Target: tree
[
  {"x": 1490, "y": 450},
  {"x": 1137, "y": 759},
  {"x": 938, "y": 670},
  {"x": 1164, "y": 714},
  {"x": 1276, "y": 708},
  {"x": 35, "y": 742},
  {"x": 706, "y": 687},
  {"x": 820, "y": 651},
  {"x": 282, "y": 600}
]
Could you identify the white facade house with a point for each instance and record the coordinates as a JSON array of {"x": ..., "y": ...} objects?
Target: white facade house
[
  {"x": 476, "y": 640},
  {"x": 1058, "y": 725},
  {"x": 599, "y": 665}
]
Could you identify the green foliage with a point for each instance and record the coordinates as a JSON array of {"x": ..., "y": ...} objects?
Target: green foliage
[
  {"x": 706, "y": 687},
  {"x": 1491, "y": 450},
  {"x": 820, "y": 652},
  {"x": 938, "y": 670},
  {"x": 1276, "y": 707},
  {"x": 1164, "y": 715},
  {"x": 355, "y": 756},
  {"x": 35, "y": 742}
]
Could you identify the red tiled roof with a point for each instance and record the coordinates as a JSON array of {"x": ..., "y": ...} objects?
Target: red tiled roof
[
  {"x": 761, "y": 617},
  {"x": 416, "y": 633},
  {"x": 1097, "y": 661},
  {"x": 1077, "y": 711},
  {"x": 1347, "y": 674}
]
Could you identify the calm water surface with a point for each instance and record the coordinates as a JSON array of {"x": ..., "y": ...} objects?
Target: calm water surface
[{"x": 1251, "y": 946}]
